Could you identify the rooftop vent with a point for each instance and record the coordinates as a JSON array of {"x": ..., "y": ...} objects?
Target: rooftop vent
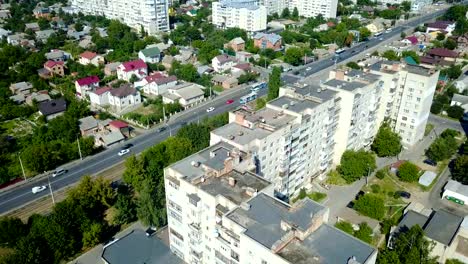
[
  {"x": 212, "y": 154},
  {"x": 292, "y": 103},
  {"x": 196, "y": 164},
  {"x": 240, "y": 133},
  {"x": 245, "y": 206},
  {"x": 280, "y": 113},
  {"x": 319, "y": 90},
  {"x": 285, "y": 106},
  {"x": 232, "y": 181},
  {"x": 262, "y": 120},
  {"x": 231, "y": 137}
]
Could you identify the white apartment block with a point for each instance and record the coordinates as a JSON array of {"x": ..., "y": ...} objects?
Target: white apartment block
[
  {"x": 360, "y": 99},
  {"x": 306, "y": 8},
  {"x": 220, "y": 212},
  {"x": 153, "y": 15},
  {"x": 407, "y": 97},
  {"x": 291, "y": 139},
  {"x": 244, "y": 14}
]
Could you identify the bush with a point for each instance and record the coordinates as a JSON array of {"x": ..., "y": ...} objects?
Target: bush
[
  {"x": 364, "y": 233},
  {"x": 345, "y": 226},
  {"x": 375, "y": 188},
  {"x": 390, "y": 194},
  {"x": 380, "y": 174},
  {"x": 442, "y": 148},
  {"x": 455, "y": 111},
  {"x": 408, "y": 172},
  {"x": 371, "y": 206}
]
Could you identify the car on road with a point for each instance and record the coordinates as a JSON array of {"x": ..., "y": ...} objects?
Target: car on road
[
  {"x": 127, "y": 146},
  {"x": 230, "y": 101},
  {"x": 161, "y": 129},
  {"x": 308, "y": 69},
  {"x": 403, "y": 194},
  {"x": 211, "y": 109},
  {"x": 380, "y": 38},
  {"x": 59, "y": 172},
  {"x": 123, "y": 152},
  {"x": 430, "y": 162},
  {"x": 388, "y": 30},
  {"x": 183, "y": 123},
  {"x": 38, "y": 189}
]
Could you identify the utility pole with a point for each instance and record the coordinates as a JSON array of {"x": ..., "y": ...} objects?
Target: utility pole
[
  {"x": 164, "y": 113},
  {"x": 79, "y": 148},
  {"x": 22, "y": 168},
  {"x": 50, "y": 188},
  {"x": 368, "y": 174}
]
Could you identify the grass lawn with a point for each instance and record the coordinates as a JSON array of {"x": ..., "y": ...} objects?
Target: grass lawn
[
  {"x": 334, "y": 178},
  {"x": 317, "y": 196},
  {"x": 218, "y": 88},
  {"x": 17, "y": 127},
  {"x": 428, "y": 129}
]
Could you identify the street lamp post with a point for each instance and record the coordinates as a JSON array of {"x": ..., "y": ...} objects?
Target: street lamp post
[
  {"x": 50, "y": 188},
  {"x": 22, "y": 168},
  {"x": 79, "y": 148}
]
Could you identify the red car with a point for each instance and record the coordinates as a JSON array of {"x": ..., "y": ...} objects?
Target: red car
[{"x": 230, "y": 101}]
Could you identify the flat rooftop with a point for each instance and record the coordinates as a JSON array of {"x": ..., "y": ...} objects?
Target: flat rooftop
[
  {"x": 443, "y": 226},
  {"x": 240, "y": 134},
  {"x": 262, "y": 220},
  {"x": 274, "y": 118},
  {"x": 237, "y": 193},
  {"x": 294, "y": 104},
  {"x": 327, "y": 245},
  {"x": 411, "y": 219},
  {"x": 212, "y": 157},
  {"x": 419, "y": 70},
  {"x": 314, "y": 91},
  {"x": 348, "y": 86}
]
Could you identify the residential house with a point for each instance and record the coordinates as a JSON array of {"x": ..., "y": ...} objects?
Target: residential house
[
  {"x": 4, "y": 33},
  {"x": 167, "y": 61},
  {"x": 86, "y": 42},
  {"x": 100, "y": 97},
  {"x": 225, "y": 81},
  {"x": 267, "y": 41},
  {"x": 119, "y": 126},
  {"x": 124, "y": 98},
  {"x": 57, "y": 55},
  {"x": 186, "y": 56},
  {"x": 204, "y": 69},
  {"x": 241, "y": 68},
  {"x": 4, "y": 15},
  {"x": 41, "y": 12},
  {"x": 43, "y": 35},
  {"x": 244, "y": 56},
  {"x": 34, "y": 26},
  {"x": 89, "y": 57},
  {"x": 18, "y": 98},
  {"x": 446, "y": 27},
  {"x": 108, "y": 138},
  {"x": 23, "y": 88},
  {"x": 411, "y": 40},
  {"x": 126, "y": 70},
  {"x": 460, "y": 100},
  {"x": 16, "y": 39},
  {"x": 39, "y": 97},
  {"x": 157, "y": 84},
  {"x": 440, "y": 56},
  {"x": 236, "y": 44},
  {"x": 462, "y": 42},
  {"x": 88, "y": 126},
  {"x": 150, "y": 55},
  {"x": 52, "y": 68},
  {"x": 84, "y": 85},
  {"x": 53, "y": 108},
  {"x": 111, "y": 68},
  {"x": 186, "y": 94},
  {"x": 222, "y": 63},
  {"x": 375, "y": 27}
]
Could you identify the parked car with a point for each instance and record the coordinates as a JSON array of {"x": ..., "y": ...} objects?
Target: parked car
[
  {"x": 127, "y": 146},
  {"x": 38, "y": 189},
  {"x": 403, "y": 194},
  {"x": 161, "y": 129},
  {"x": 430, "y": 162},
  {"x": 123, "y": 152},
  {"x": 210, "y": 109},
  {"x": 230, "y": 101},
  {"x": 59, "y": 172}
]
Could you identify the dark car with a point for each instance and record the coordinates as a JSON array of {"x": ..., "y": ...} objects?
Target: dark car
[
  {"x": 183, "y": 123},
  {"x": 150, "y": 231},
  {"x": 403, "y": 194},
  {"x": 161, "y": 129},
  {"x": 430, "y": 162},
  {"x": 127, "y": 146},
  {"x": 361, "y": 193}
]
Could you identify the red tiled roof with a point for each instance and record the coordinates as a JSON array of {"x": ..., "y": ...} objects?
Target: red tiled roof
[
  {"x": 243, "y": 66},
  {"x": 442, "y": 52},
  {"x": 134, "y": 65},
  {"x": 102, "y": 90},
  {"x": 88, "y": 80},
  {"x": 88, "y": 55},
  {"x": 160, "y": 79},
  {"x": 427, "y": 60},
  {"x": 154, "y": 76},
  {"x": 118, "y": 124},
  {"x": 50, "y": 63},
  {"x": 440, "y": 24},
  {"x": 413, "y": 40}
]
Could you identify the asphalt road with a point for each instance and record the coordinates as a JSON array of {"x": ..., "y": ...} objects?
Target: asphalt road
[{"x": 22, "y": 194}]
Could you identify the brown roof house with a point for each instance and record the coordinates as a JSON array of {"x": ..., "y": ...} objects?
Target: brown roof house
[
  {"x": 53, "y": 108},
  {"x": 124, "y": 98},
  {"x": 237, "y": 44},
  {"x": 88, "y": 126},
  {"x": 51, "y": 69},
  {"x": 111, "y": 68},
  {"x": 440, "y": 56}
]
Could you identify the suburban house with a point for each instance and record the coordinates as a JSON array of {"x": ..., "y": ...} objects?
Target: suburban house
[
  {"x": 23, "y": 88},
  {"x": 225, "y": 81},
  {"x": 100, "y": 96},
  {"x": 88, "y": 126},
  {"x": 445, "y": 27},
  {"x": 108, "y": 138},
  {"x": 267, "y": 41},
  {"x": 126, "y": 70},
  {"x": 222, "y": 63},
  {"x": 43, "y": 35},
  {"x": 241, "y": 68},
  {"x": 119, "y": 126},
  {"x": 37, "y": 97},
  {"x": 89, "y": 57},
  {"x": 57, "y": 55},
  {"x": 460, "y": 100},
  {"x": 167, "y": 61},
  {"x": 34, "y": 26},
  {"x": 237, "y": 44},
  {"x": 150, "y": 55},
  {"x": 53, "y": 108},
  {"x": 157, "y": 83},
  {"x": 41, "y": 11},
  {"x": 185, "y": 94},
  {"x": 85, "y": 85},
  {"x": 411, "y": 40},
  {"x": 52, "y": 68},
  {"x": 111, "y": 68},
  {"x": 124, "y": 97},
  {"x": 439, "y": 56}
]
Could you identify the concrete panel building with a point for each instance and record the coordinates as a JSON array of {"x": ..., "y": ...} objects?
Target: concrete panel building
[{"x": 244, "y": 14}]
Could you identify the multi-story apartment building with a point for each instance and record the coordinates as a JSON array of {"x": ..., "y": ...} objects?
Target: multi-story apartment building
[
  {"x": 219, "y": 211},
  {"x": 306, "y": 8},
  {"x": 244, "y": 14},
  {"x": 360, "y": 94},
  {"x": 291, "y": 139},
  {"x": 152, "y": 15},
  {"x": 407, "y": 97}
]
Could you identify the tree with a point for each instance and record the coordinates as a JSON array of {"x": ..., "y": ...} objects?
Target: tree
[
  {"x": 78, "y": 26},
  {"x": 440, "y": 36},
  {"x": 453, "y": 261},
  {"x": 198, "y": 135},
  {"x": 260, "y": 103},
  {"x": 437, "y": 107},
  {"x": 126, "y": 208},
  {"x": 455, "y": 111},
  {"x": 285, "y": 13},
  {"x": 408, "y": 172},
  {"x": 274, "y": 83},
  {"x": 371, "y": 206},
  {"x": 460, "y": 169},
  {"x": 405, "y": 6},
  {"x": 442, "y": 148},
  {"x": 364, "y": 33},
  {"x": 353, "y": 65},
  {"x": 450, "y": 44},
  {"x": 345, "y": 226},
  {"x": 364, "y": 233},
  {"x": 294, "y": 56},
  {"x": 295, "y": 14},
  {"x": 355, "y": 164},
  {"x": 390, "y": 55},
  {"x": 11, "y": 231},
  {"x": 402, "y": 35},
  {"x": 93, "y": 235},
  {"x": 461, "y": 27},
  {"x": 386, "y": 143}
]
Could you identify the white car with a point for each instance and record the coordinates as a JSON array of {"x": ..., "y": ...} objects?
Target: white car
[
  {"x": 308, "y": 69},
  {"x": 211, "y": 109},
  {"x": 58, "y": 172},
  {"x": 123, "y": 152},
  {"x": 38, "y": 189}
]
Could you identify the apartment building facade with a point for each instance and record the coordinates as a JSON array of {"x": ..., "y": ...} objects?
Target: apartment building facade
[
  {"x": 358, "y": 123},
  {"x": 306, "y": 8},
  {"x": 244, "y": 14},
  {"x": 407, "y": 97},
  {"x": 219, "y": 211},
  {"x": 152, "y": 15},
  {"x": 291, "y": 139}
]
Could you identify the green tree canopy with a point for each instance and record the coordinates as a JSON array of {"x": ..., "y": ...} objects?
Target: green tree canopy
[
  {"x": 274, "y": 83},
  {"x": 460, "y": 169},
  {"x": 356, "y": 164},
  {"x": 408, "y": 172},
  {"x": 294, "y": 56},
  {"x": 386, "y": 143},
  {"x": 370, "y": 205}
]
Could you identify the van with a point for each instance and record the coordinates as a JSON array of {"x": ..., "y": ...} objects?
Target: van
[{"x": 58, "y": 172}]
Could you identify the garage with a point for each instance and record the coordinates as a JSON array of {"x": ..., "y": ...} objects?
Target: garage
[{"x": 456, "y": 192}]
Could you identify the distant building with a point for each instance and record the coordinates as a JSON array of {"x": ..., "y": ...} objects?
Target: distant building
[
  {"x": 124, "y": 98},
  {"x": 247, "y": 15},
  {"x": 157, "y": 84},
  {"x": 137, "y": 68},
  {"x": 53, "y": 108},
  {"x": 150, "y": 55},
  {"x": 222, "y": 63},
  {"x": 446, "y": 27},
  {"x": 53, "y": 68},
  {"x": 84, "y": 85},
  {"x": 185, "y": 94},
  {"x": 111, "y": 68},
  {"x": 89, "y": 57},
  {"x": 237, "y": 44},
  {"x": 267, "y": 41},
  {"x": 306, "y": 8}
]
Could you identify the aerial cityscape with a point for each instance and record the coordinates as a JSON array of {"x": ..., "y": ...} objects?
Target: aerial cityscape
[{"x": 233, "y": 131}]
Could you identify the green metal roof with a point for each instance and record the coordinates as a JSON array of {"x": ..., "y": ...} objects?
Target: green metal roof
[{"x": 151, "y": 52}]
